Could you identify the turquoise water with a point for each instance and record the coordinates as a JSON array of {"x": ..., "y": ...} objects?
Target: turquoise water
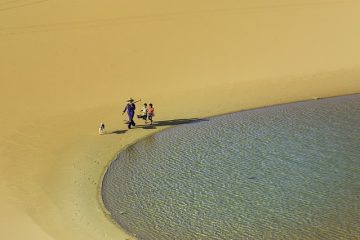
[{"x": 285, "y": 172}]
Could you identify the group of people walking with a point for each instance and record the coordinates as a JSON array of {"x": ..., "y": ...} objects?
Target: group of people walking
[{"x": 146, "y": 113}]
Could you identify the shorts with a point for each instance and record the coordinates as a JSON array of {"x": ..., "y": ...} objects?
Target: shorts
[{"x": 142, "y": 116}]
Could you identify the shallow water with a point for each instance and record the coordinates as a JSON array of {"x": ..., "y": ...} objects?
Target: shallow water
[{"x": 285, "y": 172}]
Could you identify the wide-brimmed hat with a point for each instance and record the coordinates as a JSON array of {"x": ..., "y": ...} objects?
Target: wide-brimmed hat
[{"x": 130, "y": 100}]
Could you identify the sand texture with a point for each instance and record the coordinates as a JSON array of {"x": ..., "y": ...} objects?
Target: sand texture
[{"x": 65, "y": 66}]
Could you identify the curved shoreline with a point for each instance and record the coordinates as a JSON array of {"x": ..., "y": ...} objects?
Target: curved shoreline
[
  {"x": 101, "y": 202},
  {"x": 66, "y": 68},
  {"x": 99, "y": 189},
  {"x": 160, "y": 132},
  {"x": 56, "y": 179}
]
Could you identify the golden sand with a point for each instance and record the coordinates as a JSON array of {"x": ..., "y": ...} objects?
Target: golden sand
[{"x": 66, "y": 66}]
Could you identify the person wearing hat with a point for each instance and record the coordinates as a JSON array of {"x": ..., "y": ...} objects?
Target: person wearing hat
[{"x": 130, "y": 108}]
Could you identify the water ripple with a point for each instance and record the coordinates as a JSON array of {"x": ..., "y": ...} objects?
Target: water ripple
[{"x": 285, "y": 172}]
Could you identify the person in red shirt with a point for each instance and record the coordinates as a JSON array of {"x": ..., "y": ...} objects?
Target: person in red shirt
[{"x": 150, "y": 113}]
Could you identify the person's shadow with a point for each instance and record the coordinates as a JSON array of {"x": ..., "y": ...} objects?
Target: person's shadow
[
  {"x": 172, "y": 122},
  {"x": 119, "y": 132}
]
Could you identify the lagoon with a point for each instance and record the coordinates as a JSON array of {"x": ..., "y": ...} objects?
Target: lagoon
[{"x": 289, "y": 171}]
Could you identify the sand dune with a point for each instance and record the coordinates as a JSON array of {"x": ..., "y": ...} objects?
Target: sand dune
[{"x": 67, "y": 65}]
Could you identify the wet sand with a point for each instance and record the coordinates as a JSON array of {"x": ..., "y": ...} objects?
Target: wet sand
[{"x": 65, "y": 67}]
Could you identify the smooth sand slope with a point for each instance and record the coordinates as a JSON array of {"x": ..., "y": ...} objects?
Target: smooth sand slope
[{"x": 67, "y": 65}]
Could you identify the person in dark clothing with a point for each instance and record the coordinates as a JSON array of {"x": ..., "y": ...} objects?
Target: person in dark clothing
[{"x": 130, "y": 108}]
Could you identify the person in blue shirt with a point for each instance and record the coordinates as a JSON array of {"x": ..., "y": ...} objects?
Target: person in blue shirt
[{"x": 130, "y": 108}]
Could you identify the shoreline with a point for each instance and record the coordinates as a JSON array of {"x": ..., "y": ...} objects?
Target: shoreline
[
  {"x": 138, "y": 148},
  {"x": 66, "y": 68},
  {"x": 107, "y": 213},
  {"x": 57, "y": 169}
]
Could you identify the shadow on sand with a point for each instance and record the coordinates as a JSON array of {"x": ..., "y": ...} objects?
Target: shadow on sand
[
  {"x": 172, "y": 122},
  {"x": 119, "y": 132}
]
